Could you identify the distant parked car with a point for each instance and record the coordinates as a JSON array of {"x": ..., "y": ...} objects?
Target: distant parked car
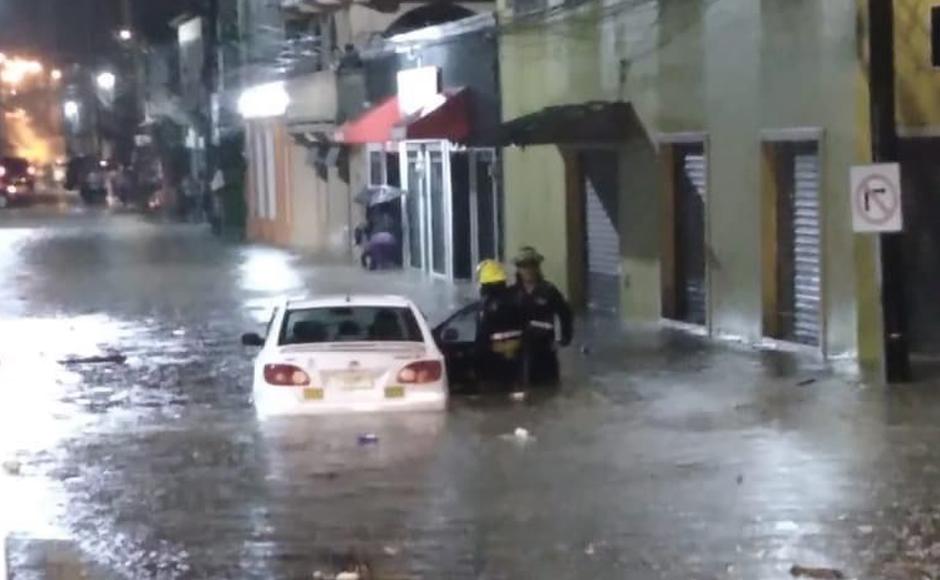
[{"x": 17, "y": 181}]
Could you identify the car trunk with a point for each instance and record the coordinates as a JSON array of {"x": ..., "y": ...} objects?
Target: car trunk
[{"x": 354, "y": 368}]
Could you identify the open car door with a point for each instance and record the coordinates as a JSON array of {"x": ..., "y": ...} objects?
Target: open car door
[{"x": 456, "y": 337}]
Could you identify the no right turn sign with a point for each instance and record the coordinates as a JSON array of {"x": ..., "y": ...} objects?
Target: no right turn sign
[{"x": 876, "y": 198}]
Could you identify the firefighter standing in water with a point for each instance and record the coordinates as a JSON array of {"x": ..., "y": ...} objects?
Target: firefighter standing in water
[
  {"x": 542, "y": 304},
  {"x": 499, "y": 327}
]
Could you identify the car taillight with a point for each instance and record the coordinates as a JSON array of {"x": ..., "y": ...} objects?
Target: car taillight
[
  {"x": 286, "y": 376},
  {"x": 426, "y": 371}
]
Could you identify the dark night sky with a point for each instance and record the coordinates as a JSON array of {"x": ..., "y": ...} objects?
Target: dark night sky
[{"x": 80, "y": 30}]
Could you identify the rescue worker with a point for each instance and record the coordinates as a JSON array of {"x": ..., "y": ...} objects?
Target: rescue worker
[
  {"x": 499, "y": 327},
  {"x": 542, "y": 304}
]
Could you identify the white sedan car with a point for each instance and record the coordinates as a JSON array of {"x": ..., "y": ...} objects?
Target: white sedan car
[{"x": 348, "y": 354}]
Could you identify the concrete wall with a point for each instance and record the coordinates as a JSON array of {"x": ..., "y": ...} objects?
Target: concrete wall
[
  {"x": 308, "y": 193},
  {"x": 732, "y": 70},
  {"x": 312, "y": 98}
]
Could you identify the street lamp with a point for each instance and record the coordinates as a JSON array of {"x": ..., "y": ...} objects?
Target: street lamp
[
  {"x": 125, "y": 34},
  {"x": 56, "y": 74},
  {"x": 106, "y": 81}
]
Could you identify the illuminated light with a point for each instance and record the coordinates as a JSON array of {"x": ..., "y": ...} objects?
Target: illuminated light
[
  {"x": 3, "y": 57},
  {"x": 12, "y": 75},
  {"x": 106, "y": 81},
  {"x": 3, "y": 171},
  {"x": 31, "y": 170},
  {"x": 11, "y": 189},
  {"x": 33, "y": 66},
  {"x": 56, "y": 74},
  {"x": 268, "y": 100},
  {"x": 102, "y": 163},
  {"x": 125, "y": 34},
  {"x": 71, "y": 109}
]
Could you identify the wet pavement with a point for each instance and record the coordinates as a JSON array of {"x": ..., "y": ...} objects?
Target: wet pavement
[{"x": 662, "y": 456}]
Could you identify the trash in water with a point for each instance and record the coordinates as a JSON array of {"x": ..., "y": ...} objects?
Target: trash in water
[
  {"x": 520, "y": 435},
  {"x": 806, "y": 382},
  {"x": 740, "y": 479},
  {"x": 117, "y": 359},
  {"x": 368, "y": 439},
  {"x": 518, "y": 396},
  {"x": 866, "y": 530},
  {"x": 390, "y": 550},
  {"x": 818, "y": 573},
  {"x": 585, "y": 350},
  {"x": 12, "y": 467},
  {"x": 347, "y": 576},
  {"x": 179, "y": 332},
  {"x": 590, "y": 550}
]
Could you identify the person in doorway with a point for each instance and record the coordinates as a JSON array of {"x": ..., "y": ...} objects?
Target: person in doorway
[
  {"x": 499, "y": 328},
  {"x": 542, "y": 306}
]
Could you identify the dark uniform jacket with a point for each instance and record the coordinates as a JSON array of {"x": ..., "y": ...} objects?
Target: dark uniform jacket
[{"x": 540, "y": 309}]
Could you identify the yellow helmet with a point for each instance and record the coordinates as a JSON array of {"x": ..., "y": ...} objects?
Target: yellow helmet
[{"x": 491, "y": 272}]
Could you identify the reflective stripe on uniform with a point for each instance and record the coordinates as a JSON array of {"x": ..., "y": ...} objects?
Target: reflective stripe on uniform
[
  {"x": 542, "y": 325},
  {"x": 506, "y": 335}
]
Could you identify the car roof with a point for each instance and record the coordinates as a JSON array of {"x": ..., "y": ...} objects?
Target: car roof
[{"x": 364, "y": 300}]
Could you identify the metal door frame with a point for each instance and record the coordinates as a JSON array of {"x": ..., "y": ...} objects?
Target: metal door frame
[
  {"x": 702, "y": 138},
  {"x": 815, "y": 135},
  {"x": 475, "y": 155}
]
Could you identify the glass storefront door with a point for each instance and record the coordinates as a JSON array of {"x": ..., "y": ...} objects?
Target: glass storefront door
[{"x": 427, "y": 208}]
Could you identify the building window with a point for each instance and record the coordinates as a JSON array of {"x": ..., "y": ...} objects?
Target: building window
[
  {"x": 935, "y": 36},
  {"x": 265, "y": 174},
  {"x": 260, "y": 167},
  {"x": 376, "y": 167}
]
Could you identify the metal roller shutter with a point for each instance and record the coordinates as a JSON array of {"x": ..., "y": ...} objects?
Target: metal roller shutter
[
  {"x": 691, "y": 233},
  {"x": 603, "y": 251},
  {"x": 806, "y": 250}
]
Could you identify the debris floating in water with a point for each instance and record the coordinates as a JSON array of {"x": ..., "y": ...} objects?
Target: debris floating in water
[
  {"x": 518, "y": 396},
  {"x": 368, "y": 439},
  {"x": 115, "y": 358},
  {"x": 818, "y": 573}
]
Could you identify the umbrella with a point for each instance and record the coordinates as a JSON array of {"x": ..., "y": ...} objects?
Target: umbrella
[{"x": 372, "y": 195}]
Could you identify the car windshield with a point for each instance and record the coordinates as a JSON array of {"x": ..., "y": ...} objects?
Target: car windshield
[{"x": 350, "y": 324}]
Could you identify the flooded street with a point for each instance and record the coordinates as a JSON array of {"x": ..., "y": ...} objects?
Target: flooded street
[{"x": 663, "y": 456}]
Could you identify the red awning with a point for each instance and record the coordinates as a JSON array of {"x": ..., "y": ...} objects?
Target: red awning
[
  {"x": 446, "y": 116},
  {"x": 373, "y": 126}
]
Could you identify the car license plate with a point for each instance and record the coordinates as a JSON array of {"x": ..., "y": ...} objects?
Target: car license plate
[
  {"x": 396, "y": 392},
  {"x": 354, "y": 381},
  {"x": 313, "y": 394}
]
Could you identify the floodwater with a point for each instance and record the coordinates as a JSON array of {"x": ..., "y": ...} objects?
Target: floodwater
[{"x": 662, "y": 456}]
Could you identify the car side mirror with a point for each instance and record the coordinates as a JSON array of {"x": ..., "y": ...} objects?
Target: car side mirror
[
  {"x": 450, "y": 335},
  {"x": 252, "y": 339}
]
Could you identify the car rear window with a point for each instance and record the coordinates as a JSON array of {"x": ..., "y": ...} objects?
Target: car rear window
[
  {"x": 350, "y": 324},
  {"x": 15, "y": 165}
]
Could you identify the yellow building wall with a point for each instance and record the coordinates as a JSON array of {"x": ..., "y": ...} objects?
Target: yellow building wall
[
  {"x": 918, "y": 82},
  {"x": 731, "y": 72}
]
